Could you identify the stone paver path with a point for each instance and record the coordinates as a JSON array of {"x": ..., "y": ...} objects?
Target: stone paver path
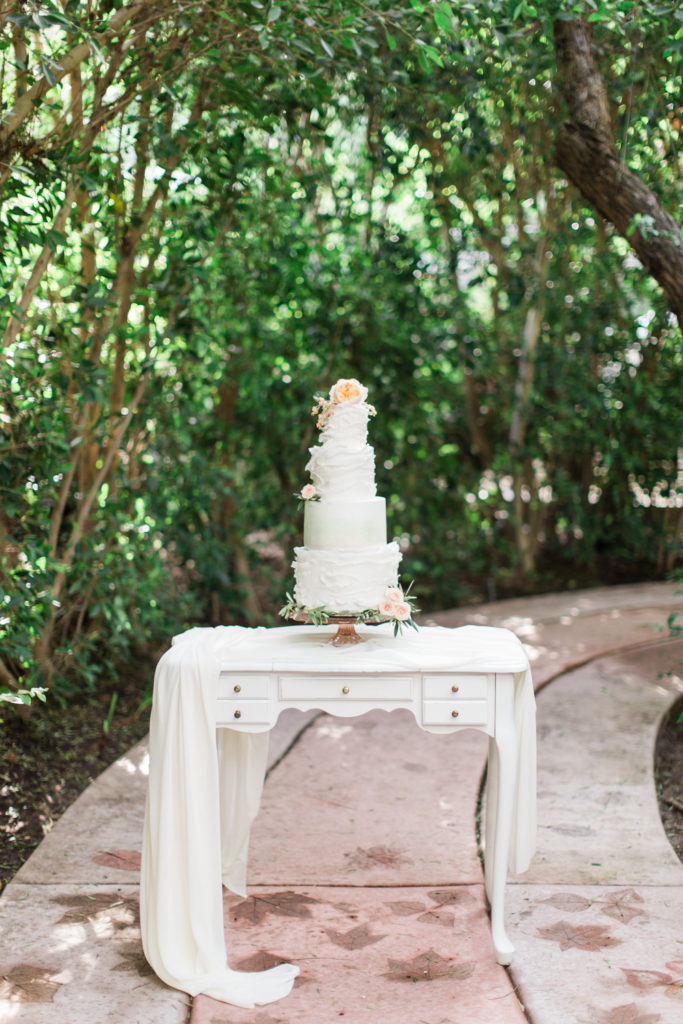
[
  {"x": 365, "y": 870},
  {"x": 602, "y": 899}
]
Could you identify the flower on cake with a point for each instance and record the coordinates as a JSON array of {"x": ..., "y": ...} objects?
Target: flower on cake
[
  {"x": 398, "y": 607},
  {"x": 348, "y": 391},
  {"x": 403, "y": 611},
  {"x": 323, "y": 409},
  {"x": 307, "y": 493}
]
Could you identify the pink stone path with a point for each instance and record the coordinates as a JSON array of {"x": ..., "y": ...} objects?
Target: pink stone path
[{"x": 365, "y": 868}]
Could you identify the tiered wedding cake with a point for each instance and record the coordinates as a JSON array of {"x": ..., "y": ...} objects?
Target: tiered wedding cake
[{"x": 346, "y": 565}]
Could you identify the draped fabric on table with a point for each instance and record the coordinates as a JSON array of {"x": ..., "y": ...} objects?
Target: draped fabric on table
[
  {"x": 205, "y": 786},
  {"x": 203, "y": 795}
]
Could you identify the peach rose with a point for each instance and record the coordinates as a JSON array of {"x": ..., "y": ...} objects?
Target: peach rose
[
  {"x": 308, "y": 492},
  {"x": 393, "y": 594},
  {"x": 386, "y": 608},
  {"x": 351, "y": 391},
  {"x": 402, "y": 611}
]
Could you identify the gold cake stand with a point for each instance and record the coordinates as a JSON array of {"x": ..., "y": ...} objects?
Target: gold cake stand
[{"x": 346, "y": 627}]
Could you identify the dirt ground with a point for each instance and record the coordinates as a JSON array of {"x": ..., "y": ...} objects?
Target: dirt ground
[
  {"x": 49, "y": 754},
  {"x": 669, "y": 776}
]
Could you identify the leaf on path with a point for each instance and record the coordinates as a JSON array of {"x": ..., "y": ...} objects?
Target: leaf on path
[
  {"x": 377, "y": 856},
  {"x": 404, "y": 908},
  {"x": 438, "y": 916},
  {"x": 646, "y": 979},
  {"x": 125, "y": 860},
  {"x": 356, "y": 938},
  {"x": 256, "y": 909},
  {"x": 446, "y": 897},
  {"x": 26, "y": 983},
  {"x": 262, "y": 960},
  {"x": 619, "y": 905},
  {"x": 629, "y": 1014},
  {"x": 123, "y": 911},
  {"x": 589, "y": 937},
  {"x": 568, "y": 902},
  {"x": 429, "y": 966}
]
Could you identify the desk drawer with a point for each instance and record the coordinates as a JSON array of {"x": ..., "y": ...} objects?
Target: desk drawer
[
  {"x": 452, "y": 712},
  {"x": 246, "y": 712},
  {"x": 468, "y": 686},
  {"x": 246, "y": 685},
  {"x": 388, "y": 688}
]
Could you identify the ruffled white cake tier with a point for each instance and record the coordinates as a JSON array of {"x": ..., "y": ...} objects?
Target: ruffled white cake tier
[
  {"x": 342, "y": 473},
  {"x": 350, "y": 580}
]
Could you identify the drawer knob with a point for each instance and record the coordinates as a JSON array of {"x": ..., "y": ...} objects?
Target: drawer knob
[
  {"x": 345, "y": 689},
  {"x": 238, "y": 714},
  {"x": 454, "y": 714},
  {"x": 454, "y": 689},
  {"x": 237, "y": 688}
]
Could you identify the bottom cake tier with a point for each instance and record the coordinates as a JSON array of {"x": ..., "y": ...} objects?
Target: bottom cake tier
[{"x": 352, "y": 580}]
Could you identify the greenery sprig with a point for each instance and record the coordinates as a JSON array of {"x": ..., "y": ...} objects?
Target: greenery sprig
[
  {"x": 397, "y": 607},
  {"x": 292, "y": 609}
]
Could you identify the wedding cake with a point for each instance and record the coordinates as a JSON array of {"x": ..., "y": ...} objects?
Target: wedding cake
[{"x": 346, "y": 566}]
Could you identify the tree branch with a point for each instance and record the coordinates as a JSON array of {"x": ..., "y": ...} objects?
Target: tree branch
[
  {"x": 66, "y": 65},
  {"x": 43, "y": 643},
  {"x": 31, "y": 287},
  {"x": 586, "y": 152}
]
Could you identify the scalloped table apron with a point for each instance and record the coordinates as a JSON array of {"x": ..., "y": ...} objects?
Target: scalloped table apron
[{"x": 217, "y": 693}]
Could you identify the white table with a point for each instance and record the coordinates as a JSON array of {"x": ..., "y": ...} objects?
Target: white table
[
  {"x": 253, "y": 691},
  {"x": 217, "y": 694}
]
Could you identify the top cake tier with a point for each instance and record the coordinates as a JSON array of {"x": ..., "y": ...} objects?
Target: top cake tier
[
  {"x": 342, "y": 466},
  {"x": 346, "y": 427}
]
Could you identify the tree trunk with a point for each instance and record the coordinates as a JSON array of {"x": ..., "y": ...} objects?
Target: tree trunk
[
  {"x": 43, "y": 645},
  {"x": 586, "y": 152}
]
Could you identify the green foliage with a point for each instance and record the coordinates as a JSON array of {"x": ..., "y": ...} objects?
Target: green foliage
[
  {"x": 205, "y": 227},
  {"x": 24, "y": 696}
]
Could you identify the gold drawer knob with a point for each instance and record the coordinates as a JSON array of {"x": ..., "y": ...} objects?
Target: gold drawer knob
[
  {"x": 345, "y": 689},
  {"x": 237, "y": 688},
  {"x": 454, "y": 714},
  {"x": 454, "y": 689},
  {"x": 238, "y": 714}
]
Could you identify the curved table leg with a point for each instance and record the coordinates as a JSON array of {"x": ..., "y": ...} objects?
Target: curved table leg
[
  {"x": 492, "y": 775},
  {"x": 500, "y": 810}
]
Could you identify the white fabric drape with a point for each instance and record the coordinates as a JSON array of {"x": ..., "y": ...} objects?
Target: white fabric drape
[
  {"x": 203, "y": 795},
  {"x": 204, "y": 791}
]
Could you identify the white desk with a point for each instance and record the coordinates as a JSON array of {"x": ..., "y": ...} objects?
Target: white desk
[
  {"x": 239, "y": 680},
  {"x": 252, "y": 692}
]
